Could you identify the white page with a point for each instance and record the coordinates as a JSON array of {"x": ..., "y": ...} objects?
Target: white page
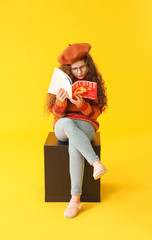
[{"x": 59, "y": 80}]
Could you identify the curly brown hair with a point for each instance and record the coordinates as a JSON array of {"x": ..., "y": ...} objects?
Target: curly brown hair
[{"x": 92, "y": 75}]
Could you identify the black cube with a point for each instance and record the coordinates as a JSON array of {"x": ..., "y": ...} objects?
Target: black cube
[{"x": 57, "y": 176}]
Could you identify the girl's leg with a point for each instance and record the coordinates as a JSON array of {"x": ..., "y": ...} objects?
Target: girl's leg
[
  {"x": 76, "y": 160},
  {"x": 79, "y": 133},
  {"x": 76, "y": 167},
  {"x": 67, "y": 128}
]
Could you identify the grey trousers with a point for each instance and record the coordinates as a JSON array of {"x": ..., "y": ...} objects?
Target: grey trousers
[{"x": 79, "y": 134}]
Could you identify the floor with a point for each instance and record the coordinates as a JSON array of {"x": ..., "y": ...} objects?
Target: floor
[{"x": 124, "y": 212}]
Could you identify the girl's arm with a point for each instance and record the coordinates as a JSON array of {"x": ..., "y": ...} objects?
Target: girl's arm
[
  {"x": 60, "y": 105},
  {"x": 91, "y": 111}
]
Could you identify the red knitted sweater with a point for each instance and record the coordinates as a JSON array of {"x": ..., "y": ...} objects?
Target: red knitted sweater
[{"x": 86, "y": 112}]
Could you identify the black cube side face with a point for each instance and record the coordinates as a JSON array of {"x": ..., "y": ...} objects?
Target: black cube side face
[{"x": 57, "y": 176}]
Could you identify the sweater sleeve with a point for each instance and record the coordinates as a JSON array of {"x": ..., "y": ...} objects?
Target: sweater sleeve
[
  {"x": 91, "y": 111},
  {"x": 59, "y": 108}
]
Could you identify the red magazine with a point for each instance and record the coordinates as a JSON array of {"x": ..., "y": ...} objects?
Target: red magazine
[
  {"x": 60, "y": 79},
  {"x": 84, "y": 88}
]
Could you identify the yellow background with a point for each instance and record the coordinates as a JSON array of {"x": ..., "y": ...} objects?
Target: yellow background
[{"x": 33, "y": 34}]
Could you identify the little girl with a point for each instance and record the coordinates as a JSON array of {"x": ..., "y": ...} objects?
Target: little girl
[{"x": 76, "y": 120}]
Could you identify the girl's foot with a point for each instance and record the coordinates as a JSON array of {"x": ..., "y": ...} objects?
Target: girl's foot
[
  {"x": 73, "y": 209},
  {"x": 99, "y": 170}
]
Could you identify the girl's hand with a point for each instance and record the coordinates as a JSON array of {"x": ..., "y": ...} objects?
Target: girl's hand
[
  {"x": 62, "y": 95},
  {"x": 78, "y": 102}
]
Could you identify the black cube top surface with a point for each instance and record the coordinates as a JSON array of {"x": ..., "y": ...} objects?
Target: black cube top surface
[{"x": 53, "y": 141}]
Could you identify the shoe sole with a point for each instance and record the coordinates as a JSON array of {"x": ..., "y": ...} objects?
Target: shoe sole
[
  {"x": 100, "y": 175},
  {"x": 72, "y": 216}
]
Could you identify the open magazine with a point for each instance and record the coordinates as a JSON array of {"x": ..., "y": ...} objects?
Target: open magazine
[{"x": 60, "y": 79}]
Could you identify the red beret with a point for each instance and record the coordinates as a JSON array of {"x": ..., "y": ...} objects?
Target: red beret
[{"x": 74, "y": 52}]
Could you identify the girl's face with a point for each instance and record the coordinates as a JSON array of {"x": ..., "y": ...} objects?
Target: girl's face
[{"x": 79, "y": 69}]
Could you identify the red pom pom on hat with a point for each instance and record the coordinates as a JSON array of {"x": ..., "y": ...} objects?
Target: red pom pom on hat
[{"x": 74, "y": 52}]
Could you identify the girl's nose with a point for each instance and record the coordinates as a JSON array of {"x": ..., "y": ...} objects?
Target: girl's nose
[{"x": 79, "y": 70}]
